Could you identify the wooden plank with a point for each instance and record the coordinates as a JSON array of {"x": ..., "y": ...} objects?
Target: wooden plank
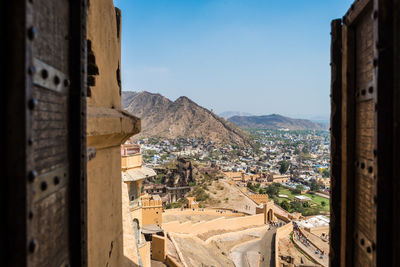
[
  {"x": 396, "y": 132},
  {"x": 365, "y": 184},
  {"x": 77, "y": 107},
  {"x": 14, "y": 140},
  {"x": 348, "y": 160},
  {"x": 52, "y": 45},
  {"x": 50, "y": 228},
  {"x": 384, "y": 71},
  {"x": 336, "y": 120},
  {"x": 355, "y": 10}
]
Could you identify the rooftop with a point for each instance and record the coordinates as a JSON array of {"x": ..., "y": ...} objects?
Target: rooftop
[
  {"x": 137, "y": 174},
  {"x": 302, "y": 198},
  {"x": 316, "y": 221}
]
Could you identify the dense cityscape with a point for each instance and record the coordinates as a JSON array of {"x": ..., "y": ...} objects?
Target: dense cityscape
[{"x": 292, "y": 160}]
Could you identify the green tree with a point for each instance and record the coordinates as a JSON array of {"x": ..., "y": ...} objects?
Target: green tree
[
  {"x": 283, "y": 166},
  {"x": 323, "y": 203},
  {"x": 272, "y": 190},
  {"x": 314, "y": 186},
  {"x": 326, "y": 173},
  {"x": 299, "y": 188},
  {"x": 285, "y": 205},
  {"x": 296, "y": 206}
]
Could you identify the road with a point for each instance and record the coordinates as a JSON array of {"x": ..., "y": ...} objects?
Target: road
[{"x": 249, "y": 254}]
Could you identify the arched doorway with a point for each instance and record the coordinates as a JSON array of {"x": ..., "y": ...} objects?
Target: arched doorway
[
  {"x": 270, "y": 215},
  {"x": 136, "y": 228}
]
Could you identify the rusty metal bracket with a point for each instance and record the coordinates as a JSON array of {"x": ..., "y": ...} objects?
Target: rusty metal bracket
[
  {"x": 367, "y": 93},
  {"x": 91, "y": 153},
  {"x": 50, "y": 182},
  {"x": 49, "y": 77},
  {"x": 365, "y": 167},
  {"x": 364, "y": 244}
]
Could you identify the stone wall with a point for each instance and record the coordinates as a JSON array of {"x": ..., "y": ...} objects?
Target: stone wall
[
  {"x": 144, "y": 251},
  {"x": 152, "y": 215},
  {"x": 221, "y": 223},
  {"x": 159, "y": 248},
  {"x": 259, "y": 198},
  {"x": 107, "y": 127},
  {"x": 280, "y": 233},
  {"x": 129, "y": 241},
  {"x": 171, "y": 262},
  {"x": 131, "y": 161}
]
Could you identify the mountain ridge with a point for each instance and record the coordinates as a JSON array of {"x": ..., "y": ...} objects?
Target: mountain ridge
[
  {"x": 162, "y": 117},
  {"x": 275, "y": 121},
  {"x": 229, "y": 114}
]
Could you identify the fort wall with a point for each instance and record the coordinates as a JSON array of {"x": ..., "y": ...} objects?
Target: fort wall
[
  {"x": 281, "y": 232},
  {"x": 222, "y": 223},
  {"x": 107, "y": 128},
  {"x": 159, "y": 247},
  {"x": 259, "y": 198}
]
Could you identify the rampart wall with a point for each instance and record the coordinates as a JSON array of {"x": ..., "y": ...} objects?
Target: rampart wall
[
  {"x": 221, "y": 223},
  {"x": 281, "y": 232}
]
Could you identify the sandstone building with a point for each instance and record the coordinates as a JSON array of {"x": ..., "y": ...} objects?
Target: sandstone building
[{"x": 178, "y": 179}]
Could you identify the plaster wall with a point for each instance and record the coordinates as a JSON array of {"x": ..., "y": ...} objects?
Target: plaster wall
[
  {"x": 319, "y": 230},
  {"x": 280, "y": 233},
  {"x": 104, "y": 208},
  {"x": 136, "y": 213},
  {"x": 171, "y": 262},
  {"x": 159, "y": 247},
  {"x": 230, "y": 224},
  {"x": 207, "y": 211},
  {"x": 259, "y": 198},
  {"x": 152, "y": 215},
  {"x": 129, "y": 241},
  {"x": 131, "y": 161},
  {"x": 106, "y": 45},
  {"x": 144, "y": 251},
  {"x": 107, "y": 127}
]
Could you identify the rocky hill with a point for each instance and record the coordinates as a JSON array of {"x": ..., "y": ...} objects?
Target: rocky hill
[
  {"x": 275, "y": 121},
  {"x": 229, "y": 114},
  {"x": 164, "y": 118}
]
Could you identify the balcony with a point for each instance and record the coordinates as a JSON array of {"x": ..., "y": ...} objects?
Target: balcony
[{"x": 131, "y": 161}]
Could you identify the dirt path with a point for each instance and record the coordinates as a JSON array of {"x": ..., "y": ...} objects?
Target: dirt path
[
  {"x": 322, "y": 195},
  {"x": 257, "y": 253}
]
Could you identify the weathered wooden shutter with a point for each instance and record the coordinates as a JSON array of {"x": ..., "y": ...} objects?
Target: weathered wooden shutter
[
  {"x": 44, "y": 145},
  {"x": 336, "y": 118},
  {"x": 363, "y": 129}
]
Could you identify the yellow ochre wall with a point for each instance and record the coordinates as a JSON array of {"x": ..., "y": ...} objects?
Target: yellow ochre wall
[
  {"x": 259, "y": 198},
  {"x": 152, "y": 215},
  {"x": 151, "y": 211},
  {"x": 131, "y": 161},
  {"x": 107, "y": 128},
  {"x": 130, "y": 250},
  {"x": 102, "y": 31},
  {"x": 159, "y": 248}
]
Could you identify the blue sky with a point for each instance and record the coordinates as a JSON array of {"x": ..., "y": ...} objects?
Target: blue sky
[{"x": 256, "y": 56}]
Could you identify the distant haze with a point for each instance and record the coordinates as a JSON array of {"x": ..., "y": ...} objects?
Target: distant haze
[{"x": 228, "y": 114}]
